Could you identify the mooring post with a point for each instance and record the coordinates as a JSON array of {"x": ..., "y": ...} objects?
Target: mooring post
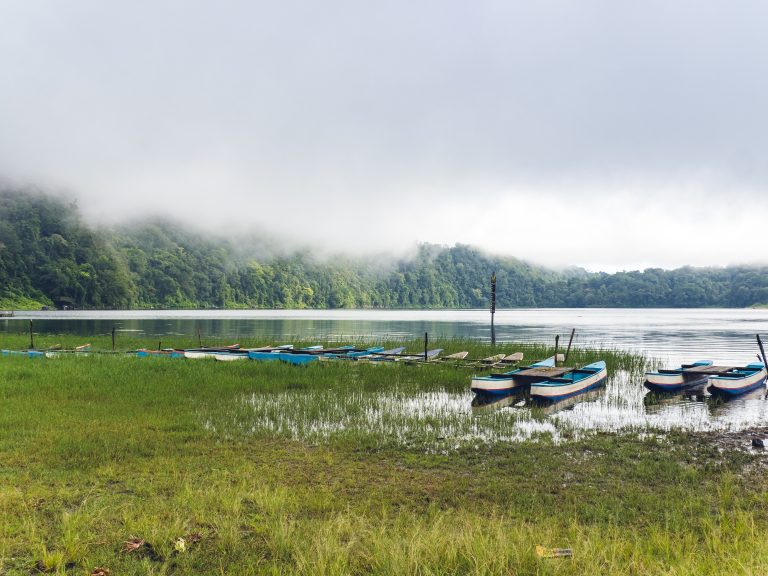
[
  {"x": 31, "y": 337},
  {"x": 426, "y": 344},
  {"x": 493, "y": 308},
  {"x": 762, "y": 350},
  {"x": 199, "y": 339},
  {"x": 159, "y": 345},
  {"x": 557, "y": 343},
  {"x": 113, "y": 338},
  {"x": 568, "y": 350}
]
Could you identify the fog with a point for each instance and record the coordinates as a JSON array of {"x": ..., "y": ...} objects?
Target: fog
[{"x": 609, "y": 135}]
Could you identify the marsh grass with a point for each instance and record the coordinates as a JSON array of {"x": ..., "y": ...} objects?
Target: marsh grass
[{"x": 100, "y": 449}]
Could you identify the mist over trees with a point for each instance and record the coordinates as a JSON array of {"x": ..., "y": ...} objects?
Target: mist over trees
[{"x": 50, "y": 256}]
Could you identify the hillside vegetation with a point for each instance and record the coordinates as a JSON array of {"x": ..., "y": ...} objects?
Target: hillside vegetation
[{"x": 50, "y": 256}]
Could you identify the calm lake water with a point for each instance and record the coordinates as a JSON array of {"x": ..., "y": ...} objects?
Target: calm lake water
[{"x": 671, "y": 336}]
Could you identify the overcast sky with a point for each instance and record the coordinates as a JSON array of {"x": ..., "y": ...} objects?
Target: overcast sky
[{"x": 608, "y": 134}]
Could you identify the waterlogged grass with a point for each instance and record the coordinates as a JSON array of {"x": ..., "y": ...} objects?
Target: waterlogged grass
[{"x": 98, "y": 450}]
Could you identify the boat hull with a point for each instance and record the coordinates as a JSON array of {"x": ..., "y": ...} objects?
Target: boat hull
[
  {"x": 677, "y": 379},
  {"x": 495, "y": 386},
  {"x": 672, "y": 382},
  {"x": 290, "y": 358},
  {"x": 733, "y": 386}
]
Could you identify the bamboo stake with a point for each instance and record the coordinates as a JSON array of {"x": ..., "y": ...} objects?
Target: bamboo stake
[{"x": 568, "y": 350}]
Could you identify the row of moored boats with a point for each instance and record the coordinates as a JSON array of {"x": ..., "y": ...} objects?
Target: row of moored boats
[
  {"x": 725, "y": 380},
  {"x": 543, "y": 380}
]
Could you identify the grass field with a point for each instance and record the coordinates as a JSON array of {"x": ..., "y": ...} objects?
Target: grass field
[{"x": 189, "y": 457}]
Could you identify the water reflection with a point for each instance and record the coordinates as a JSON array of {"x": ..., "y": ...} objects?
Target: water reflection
[
  {"x": 484, "y": 403},
  {"x": 543, "y": 407},
  {"x": 445, "y": 420},
  {"x": 674, "y": 336}
]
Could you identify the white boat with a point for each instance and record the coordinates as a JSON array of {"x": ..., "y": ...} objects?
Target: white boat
[{"x": 674, "y": 379}]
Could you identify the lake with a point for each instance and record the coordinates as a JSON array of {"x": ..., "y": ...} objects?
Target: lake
[
  {"x": 671, "y": 335},
  {"x": 726, "y": 336}
]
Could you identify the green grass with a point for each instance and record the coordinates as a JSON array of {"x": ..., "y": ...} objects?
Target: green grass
[{"x": 97, "y": 450}]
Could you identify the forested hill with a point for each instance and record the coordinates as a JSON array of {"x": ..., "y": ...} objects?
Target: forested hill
[{"x": 49, "y": 256}]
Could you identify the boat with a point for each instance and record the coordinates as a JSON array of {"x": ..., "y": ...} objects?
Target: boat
[
  {"x": 572, "y": 383},
  {"x": 58, "y": 352},
  {"x": 166, "y": 353},
  {"x": 229, "y": 356},
  {"x": 674, "y": 379},
  {"x": 28, "y": 353},
  {"x": 386, "y": 355},
  {"x": 484, "y": 403},
  {"x": 428, "y": 356},
  {"x": 455, "y": 357},
  {"x": 505, "y": 382},
  {"x": 234, "y": 349},
  {"x": 298, "y": 357},
  {"x": 736, "y": 381},
  {"x": 352, "y": 353}
]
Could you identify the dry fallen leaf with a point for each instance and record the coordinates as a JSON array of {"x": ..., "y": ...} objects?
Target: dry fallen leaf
[{"x": 133, "y": 544}]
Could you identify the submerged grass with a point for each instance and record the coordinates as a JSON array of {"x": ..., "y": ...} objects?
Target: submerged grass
[{"x": 98, "y": 450}]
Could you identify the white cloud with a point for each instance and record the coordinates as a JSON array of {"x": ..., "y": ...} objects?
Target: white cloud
[{"x": 596, "y": 133}]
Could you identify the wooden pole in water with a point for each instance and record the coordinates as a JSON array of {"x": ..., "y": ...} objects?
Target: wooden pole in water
[
  {"x": 199, "y": 339},
  {"x": 557, "y": 343},
  {"x": 568, "y": 350},
  {"x": 426, "y": 344},
  {"x": 159, "y": 345},
  {"x": 762, "y": 350},
  {"x": 493, "y": 308},
  {"x": 31, "y": 337},
  {"x": 113, "y": 338}
]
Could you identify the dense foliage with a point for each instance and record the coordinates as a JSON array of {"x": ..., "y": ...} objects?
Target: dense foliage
[{"x": 49, "y": 256}]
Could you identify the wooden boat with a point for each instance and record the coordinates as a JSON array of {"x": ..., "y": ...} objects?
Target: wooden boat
[
  {"x": 57, "y": 352},
  {"x": 734, "y": 381},
  {"x": 455, "y": 357},
  {"x": 229, "y": 357},
  {"x": 352, "y": 353},
  {"x": 299, "y": 356},
  {"x": 674, "y": 379},
  {"x": 387, "y": 355},
  {"x": 572, "y": 383},
  {"x": 430, "y": 356},
  {"x": 200, "y": 353},
  {"x": 165, "y": 353},
  {"x": 506, "y": 382},
  {"x": 514, "y": 358},
  {"x": 28, "y": 353}
]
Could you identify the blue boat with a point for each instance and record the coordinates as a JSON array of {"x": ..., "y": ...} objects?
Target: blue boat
[
  {"x": 353, "y": 353},
  {"x": 737, "y": 381},
  {"x": 505, "y": 382},
  {"x": 28, "y": 353},
  {"x": 570, "y": 384},
  {"x": 675, "y": 379}
]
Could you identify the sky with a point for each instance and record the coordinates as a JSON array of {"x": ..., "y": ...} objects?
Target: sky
[{"x": 608, "y": 134}]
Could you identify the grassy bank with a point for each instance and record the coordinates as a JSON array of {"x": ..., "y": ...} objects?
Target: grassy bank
[{"x": 96, "y": 451}]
